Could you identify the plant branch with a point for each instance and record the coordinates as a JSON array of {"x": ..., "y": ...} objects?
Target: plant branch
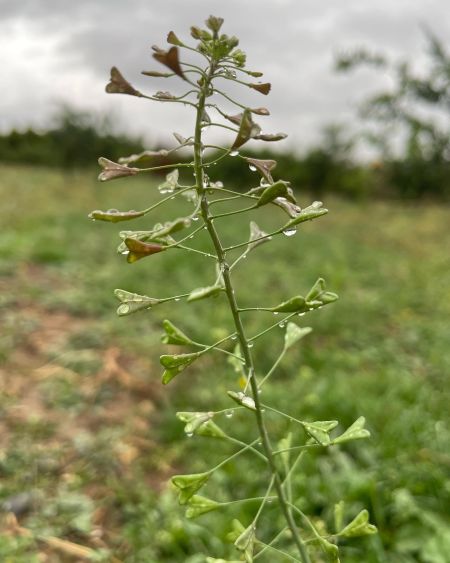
[{"x": 245, "y": 349}]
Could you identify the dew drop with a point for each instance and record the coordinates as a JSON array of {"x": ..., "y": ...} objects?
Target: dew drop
[
  {"x": 269, "y": 501},
  {"x": 259, "y": 391},
  {"x": 234, "y": 153},
  {"x": 281, "y": 325},
  {"x": 250, "y": 344},
  {"x": 189, "y": 434},
  {"x": 275, "y": 312},
  {"x": 229, "y": 414},
  {"x": 125, "y": 252},
  {"x": 177, "y": 299},
  {"x": 252, "y": 168},
  {"x": 195, "y": 218},
  {"x": 192, "y": 236},
  {"x": 290, "y": 232},
  {"x": 301, "y": 314},
  {"x": 234, "y": 337}
]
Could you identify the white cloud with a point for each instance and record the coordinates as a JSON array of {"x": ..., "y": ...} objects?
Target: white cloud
[{"x": 62, "y": 50}]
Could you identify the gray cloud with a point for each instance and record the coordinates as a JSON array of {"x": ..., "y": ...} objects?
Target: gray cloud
[{"x": 62, "y": 50}]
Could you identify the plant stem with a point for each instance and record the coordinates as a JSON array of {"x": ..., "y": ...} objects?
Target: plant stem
[{"x": 225, "y": 269}]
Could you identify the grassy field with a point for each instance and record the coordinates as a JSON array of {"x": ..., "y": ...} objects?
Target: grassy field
[{"x": 88, "y": 433}]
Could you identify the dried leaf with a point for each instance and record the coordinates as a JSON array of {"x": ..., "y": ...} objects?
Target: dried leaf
[
  {"x": 170, "y": 59},
  {"x": 156, "y": 74},
  {"x": 171, "y": 182},
  {"x": 143, "y": 156},
  {"x": 264, "y": 88},
  {"x": 138, "y": 249},
  {"x": 271, "y": 137},
  {"x": 292, "y": 209},
  {"x": 264, "y": 167},
  {"x": 114, "y": 216},
  {"x": 255, "y": 234},
  {"x": 247, "y": 129},
  {"x": 236, "y": 119},
  {"x": 182, "y": 140},
  {"x": 113, "y": 170},
  {"x": 164, "y": 95},
  {"x": 260, "y": 111},
  {"x": 118, "y": 84}
]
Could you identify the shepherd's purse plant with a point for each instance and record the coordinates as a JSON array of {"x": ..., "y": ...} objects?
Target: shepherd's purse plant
[{"x": 217, "y": 60}]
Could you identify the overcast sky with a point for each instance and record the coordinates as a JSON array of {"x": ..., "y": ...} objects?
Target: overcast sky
[{"x": 62, "y": 50}]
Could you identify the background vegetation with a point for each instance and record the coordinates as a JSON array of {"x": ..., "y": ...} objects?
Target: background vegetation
[{"x": 89, "y": 442}]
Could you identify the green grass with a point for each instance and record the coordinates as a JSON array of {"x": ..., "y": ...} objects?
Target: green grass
[{"x": 95, "y": 449}]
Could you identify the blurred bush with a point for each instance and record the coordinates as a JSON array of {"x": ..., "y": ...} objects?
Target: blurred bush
[
  {"x": 77, "y": 139},
  {"x": 409, "y": 123}
]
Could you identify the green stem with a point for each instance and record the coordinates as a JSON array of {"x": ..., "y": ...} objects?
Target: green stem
[
  {"x": 252, "y": 449},
  {"x": 236, "y": 454},
  {"x": 270, "y": 544},
  {"x": 272, "y": 369},
  {"x": 245, "y": 349},
  {"x": 271, "y": 327},
  {"x": 235, "y": 212}
]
